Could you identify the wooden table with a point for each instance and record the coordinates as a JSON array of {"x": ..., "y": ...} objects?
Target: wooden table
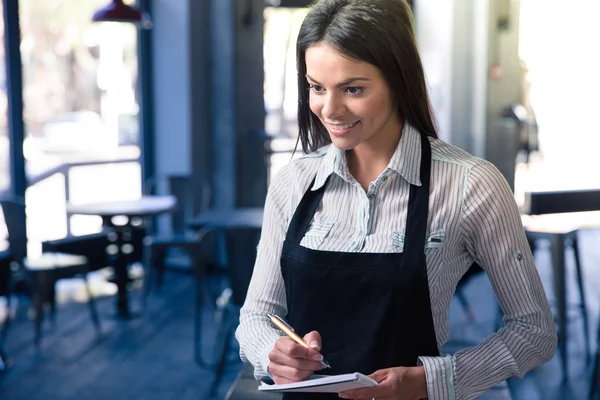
[{"x": 130, "y": 213}]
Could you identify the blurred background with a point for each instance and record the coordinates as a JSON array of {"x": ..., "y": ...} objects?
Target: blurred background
[{"x": 138, "y": 139}]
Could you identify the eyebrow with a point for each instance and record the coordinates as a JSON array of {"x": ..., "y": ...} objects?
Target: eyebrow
[{"x": 343, "y": 83}]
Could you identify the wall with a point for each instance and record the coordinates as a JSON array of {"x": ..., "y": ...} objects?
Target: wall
[
  {"x": 463, "y": 49},
  {"x": 209, "y": 108},
  {"x": 171, "y": 94},
  {"x": 503, "y": 86},
  {"x": 452, "y": 41}
]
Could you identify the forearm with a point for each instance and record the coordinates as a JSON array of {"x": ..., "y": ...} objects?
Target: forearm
[
  {"x": 255, "y": 344},
  {"x": 266, "y": 294},
  {"x": 266, "y": 291},
  {"x": 525, "y": 343}
]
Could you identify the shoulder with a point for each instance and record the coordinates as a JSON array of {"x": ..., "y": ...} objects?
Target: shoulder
[
  {"x": 443, "y": 152},
  {"x": 475, "y": 172}
]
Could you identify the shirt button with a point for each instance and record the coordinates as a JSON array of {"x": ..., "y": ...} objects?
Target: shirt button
[
  {"x": 519, "y": 257},
  {"x": 371, "y": 196},
  {"x": 385, "y": 178}
]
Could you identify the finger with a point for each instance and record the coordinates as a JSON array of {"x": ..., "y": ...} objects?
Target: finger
[
  {"x": 379, "y": 391},
  {"x": 278, "y": 357},
  {"x": 379, "y": 375},
  {"x": 281, "y": 373},
  {"x": 313, "y": 339},
  {"x": 294, "y": 350}
]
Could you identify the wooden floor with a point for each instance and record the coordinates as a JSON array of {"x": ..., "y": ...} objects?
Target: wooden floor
[{"x": 151, "y": 357}]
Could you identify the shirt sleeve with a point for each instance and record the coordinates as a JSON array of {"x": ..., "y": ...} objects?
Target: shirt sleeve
[
  {"x": 494, "y": 237},
  {"x": 266, "y": 292}
]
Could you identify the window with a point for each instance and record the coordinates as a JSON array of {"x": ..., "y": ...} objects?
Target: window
[
  {"x": 281, "y": 93},
  {"x": 80, "y": 113},
  {"x": 563, "y": 93}
]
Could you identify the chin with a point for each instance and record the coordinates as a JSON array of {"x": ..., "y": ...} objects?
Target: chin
[{"x": 343, "y": 144}]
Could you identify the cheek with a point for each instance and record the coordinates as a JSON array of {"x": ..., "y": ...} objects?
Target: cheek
[
  {"x": 373, "y": 109},
  {"x": 315, "y": 105}
]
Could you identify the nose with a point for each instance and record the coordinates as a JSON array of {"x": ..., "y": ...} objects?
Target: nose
[{"x": 333, "y": 107}]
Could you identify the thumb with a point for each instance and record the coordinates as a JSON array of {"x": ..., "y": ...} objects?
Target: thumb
[
  {"x": 313, "y": 339},
  {"x": 379, "y": 375}
]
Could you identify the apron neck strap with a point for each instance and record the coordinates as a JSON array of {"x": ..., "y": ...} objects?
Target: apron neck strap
[
  {"x": 418, "y": 208},
  {"x": 416, "y": 221}
]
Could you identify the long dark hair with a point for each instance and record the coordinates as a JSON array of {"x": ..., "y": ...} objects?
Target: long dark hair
[{"x": 379, "y": 32}]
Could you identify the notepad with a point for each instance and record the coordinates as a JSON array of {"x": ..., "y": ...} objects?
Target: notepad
[{"x": 323, "y": 384}]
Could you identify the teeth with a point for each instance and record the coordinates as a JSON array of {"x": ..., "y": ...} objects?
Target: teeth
[{"x": 341, "y": 127}]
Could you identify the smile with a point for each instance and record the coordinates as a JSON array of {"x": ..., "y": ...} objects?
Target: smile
[{"x": 341, "y": 128}]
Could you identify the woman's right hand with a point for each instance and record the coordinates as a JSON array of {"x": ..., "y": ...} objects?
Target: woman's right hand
[{"x": 290, "y": 362}]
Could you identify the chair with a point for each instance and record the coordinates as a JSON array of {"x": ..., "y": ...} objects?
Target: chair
[
  {"x": 156, "y": 246},
  {"x": 42, "y": 273},
  {"x": 94, "y": 247},
  {"x": 241, "y": 254},
  {"x": 561, "y": 238}
]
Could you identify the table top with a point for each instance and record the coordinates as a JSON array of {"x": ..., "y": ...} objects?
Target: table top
[
  {"x": 143, "y": 207},
  {"x": 48, "y": 261},
  {"x": 563, "y": 222},
  {"x": 249, "y": 217}
]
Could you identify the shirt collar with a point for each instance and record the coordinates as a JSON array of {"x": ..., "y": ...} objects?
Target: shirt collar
[{"x": 406, "y": 160}]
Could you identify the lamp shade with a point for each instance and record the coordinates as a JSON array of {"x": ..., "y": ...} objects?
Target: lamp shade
[{"x": 117, "y": 11}]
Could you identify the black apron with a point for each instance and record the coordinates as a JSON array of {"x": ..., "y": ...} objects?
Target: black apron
[{"x": 371, "y": 309}]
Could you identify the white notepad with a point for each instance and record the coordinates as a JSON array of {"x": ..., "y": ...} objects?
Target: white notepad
[{"x": 323, "y": 384}]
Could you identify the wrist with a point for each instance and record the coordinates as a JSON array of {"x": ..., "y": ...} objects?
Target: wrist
[{"x": 420, "y": 380}]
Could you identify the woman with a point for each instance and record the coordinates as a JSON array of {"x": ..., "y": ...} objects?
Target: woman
[{"x": 365, "y": 238}]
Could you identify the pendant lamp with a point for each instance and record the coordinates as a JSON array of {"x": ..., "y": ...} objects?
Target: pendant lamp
[{"x": 117, "y": 11}]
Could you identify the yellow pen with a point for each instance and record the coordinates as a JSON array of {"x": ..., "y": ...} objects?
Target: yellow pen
[{"x": 288, "y": 330}]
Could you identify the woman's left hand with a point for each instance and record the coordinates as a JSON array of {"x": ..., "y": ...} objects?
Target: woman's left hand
[{"x": 401, "y": 383}]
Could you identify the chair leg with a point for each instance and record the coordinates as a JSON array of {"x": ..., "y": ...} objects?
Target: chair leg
[
  {"x": 38, "y": 300},
  {"x": 159, "y": 263},
  {"x": 586, "y": 326},
  {"x": 8, "y": 319},
  {"x": 595, "y": 379},
  {"x": 92, "y": 306},
  {"x": 221, "y": 351},
  {"x": 3, "y": 358},
  {"x": 51, "y": 300},
  {"x": 148, "y": 273},
  {"x": 154, "y": 267},
  {"x": 560, "y": 291}
]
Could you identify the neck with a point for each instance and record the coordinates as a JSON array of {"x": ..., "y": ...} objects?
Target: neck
[{"x": 369, "y": 159}]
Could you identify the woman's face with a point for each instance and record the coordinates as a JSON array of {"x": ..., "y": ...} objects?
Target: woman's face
[{"x": 351, "y": 98}]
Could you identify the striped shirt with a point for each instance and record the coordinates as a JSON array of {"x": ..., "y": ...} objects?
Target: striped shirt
[{"x": 472, "y": 217}]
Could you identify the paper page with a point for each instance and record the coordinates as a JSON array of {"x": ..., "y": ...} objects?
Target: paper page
[{"x": 323, "y": 384}]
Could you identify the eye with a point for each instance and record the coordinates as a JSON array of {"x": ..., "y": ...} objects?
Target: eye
[
  {"x": 316, "y": 88},
  {"x": 354, "y": 91}
]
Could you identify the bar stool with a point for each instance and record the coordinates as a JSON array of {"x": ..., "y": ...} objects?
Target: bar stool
[{"x": 560, "y": 239}]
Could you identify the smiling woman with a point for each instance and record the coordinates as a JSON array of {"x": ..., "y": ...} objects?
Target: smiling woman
[{"x": 346, "y": 252}]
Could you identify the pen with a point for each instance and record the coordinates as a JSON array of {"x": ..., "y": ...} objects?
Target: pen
[{"x": 288, "y": 330}]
